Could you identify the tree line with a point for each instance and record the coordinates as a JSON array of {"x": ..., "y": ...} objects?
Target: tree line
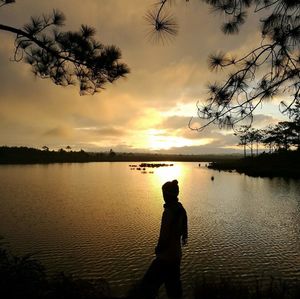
[{"x": 283, "y": 136}]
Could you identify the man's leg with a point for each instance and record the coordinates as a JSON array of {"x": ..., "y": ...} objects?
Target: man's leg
[
  {"x": 153, "y": 279},
  {"x": 172, "y": 280}
]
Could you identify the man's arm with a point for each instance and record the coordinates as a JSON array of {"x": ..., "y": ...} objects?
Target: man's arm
[
  {"x": 184, "y": 228},
  {"x": 165, "y": 230}
]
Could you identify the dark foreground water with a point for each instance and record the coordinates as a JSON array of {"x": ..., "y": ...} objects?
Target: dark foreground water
[{"x": 102, "y": 220}]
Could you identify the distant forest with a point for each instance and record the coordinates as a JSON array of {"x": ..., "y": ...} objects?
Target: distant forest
[{"x": 27, "y": 155}]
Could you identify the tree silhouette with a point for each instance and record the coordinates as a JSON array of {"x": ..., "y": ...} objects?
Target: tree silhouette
[
  {"x": 294, "y": 114},
  {"x": 269, "y": 140},
  {"x": 112, "y": 153},
  {"x": 69, "y": 57},
  {"x": 164, "y": 24},
  {"x": 257, "y": 137},
  {"x": 283, "y": 136},
  {"x": 272, "y": 68},
  {"x": 241, "y": 133}
]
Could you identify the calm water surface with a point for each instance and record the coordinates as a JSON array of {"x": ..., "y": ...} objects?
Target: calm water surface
[{"x": 102, "y": 220}]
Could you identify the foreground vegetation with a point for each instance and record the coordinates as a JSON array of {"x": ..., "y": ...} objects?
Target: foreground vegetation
[
  {"x": 23, "y": 277},
  {"x": 268, "y": 288}
]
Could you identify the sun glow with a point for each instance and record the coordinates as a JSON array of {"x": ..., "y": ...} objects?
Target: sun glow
[
  {"x": 157, "y": 140},
  {"x": 169, "y": 173}
]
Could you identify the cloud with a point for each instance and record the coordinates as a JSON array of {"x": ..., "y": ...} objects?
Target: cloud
[
  {"x": 263, "y": 120},
  {"x": 59, "y": 132},
  {"x": 104, "y": 131},
  {"x": 159, "y": 94},
  {"x": 175, "y": 122},
  {"x": 202, "y": 150}
]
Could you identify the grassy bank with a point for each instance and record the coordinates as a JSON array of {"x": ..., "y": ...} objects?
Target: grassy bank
[{"x": 281, "y": 164}]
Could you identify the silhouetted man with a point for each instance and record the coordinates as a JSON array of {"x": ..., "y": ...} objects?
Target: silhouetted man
[{"x": 165, "y": 269}]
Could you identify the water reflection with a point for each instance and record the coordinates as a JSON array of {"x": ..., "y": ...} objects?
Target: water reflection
[
  {"x": 102, "y": 220},
  {"x": 170, "y": 173}
]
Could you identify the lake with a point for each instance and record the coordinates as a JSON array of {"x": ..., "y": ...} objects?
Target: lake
[{"x": 102, "y": 220}]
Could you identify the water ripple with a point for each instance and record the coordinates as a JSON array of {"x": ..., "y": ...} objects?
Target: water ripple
[{"x": 95, "y": 221}]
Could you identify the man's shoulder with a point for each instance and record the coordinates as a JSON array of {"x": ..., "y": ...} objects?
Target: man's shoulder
[
  {"x": 174, "y": 208},
  {"x": 181, "y": 207}
]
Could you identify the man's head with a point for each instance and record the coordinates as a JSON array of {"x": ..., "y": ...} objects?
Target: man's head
[{"x": 170, "y": 191}]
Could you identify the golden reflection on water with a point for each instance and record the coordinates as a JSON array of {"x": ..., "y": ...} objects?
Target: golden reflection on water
[
  {"x": 169, "y": 173},
  {"x": 160, "y": 176},
  {"x": 102, "y": 220}
]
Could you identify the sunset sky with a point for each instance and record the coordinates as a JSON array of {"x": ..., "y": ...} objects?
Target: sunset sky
[{"x": 150, "y": 109}]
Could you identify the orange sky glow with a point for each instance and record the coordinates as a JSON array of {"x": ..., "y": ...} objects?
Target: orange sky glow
[{"x": 147, "y": 111}]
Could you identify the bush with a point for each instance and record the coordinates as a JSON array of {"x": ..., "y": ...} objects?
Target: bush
[{"x": 23, "y": 277}]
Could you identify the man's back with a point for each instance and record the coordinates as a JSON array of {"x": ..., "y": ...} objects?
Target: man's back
[
  {"x": 172, "y": 232},
  {"x": 165, "y": 268}
]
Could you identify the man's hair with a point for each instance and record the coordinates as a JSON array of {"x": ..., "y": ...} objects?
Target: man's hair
[{"x": 170, "y": 190}]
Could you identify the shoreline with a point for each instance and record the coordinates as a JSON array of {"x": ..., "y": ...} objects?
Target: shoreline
[
  {"x": 284, "y": 164},
  {"x": 24, "y": 155}
]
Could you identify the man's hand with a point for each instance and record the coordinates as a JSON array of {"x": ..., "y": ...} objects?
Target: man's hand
[{"x": 184, "y": 242}]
